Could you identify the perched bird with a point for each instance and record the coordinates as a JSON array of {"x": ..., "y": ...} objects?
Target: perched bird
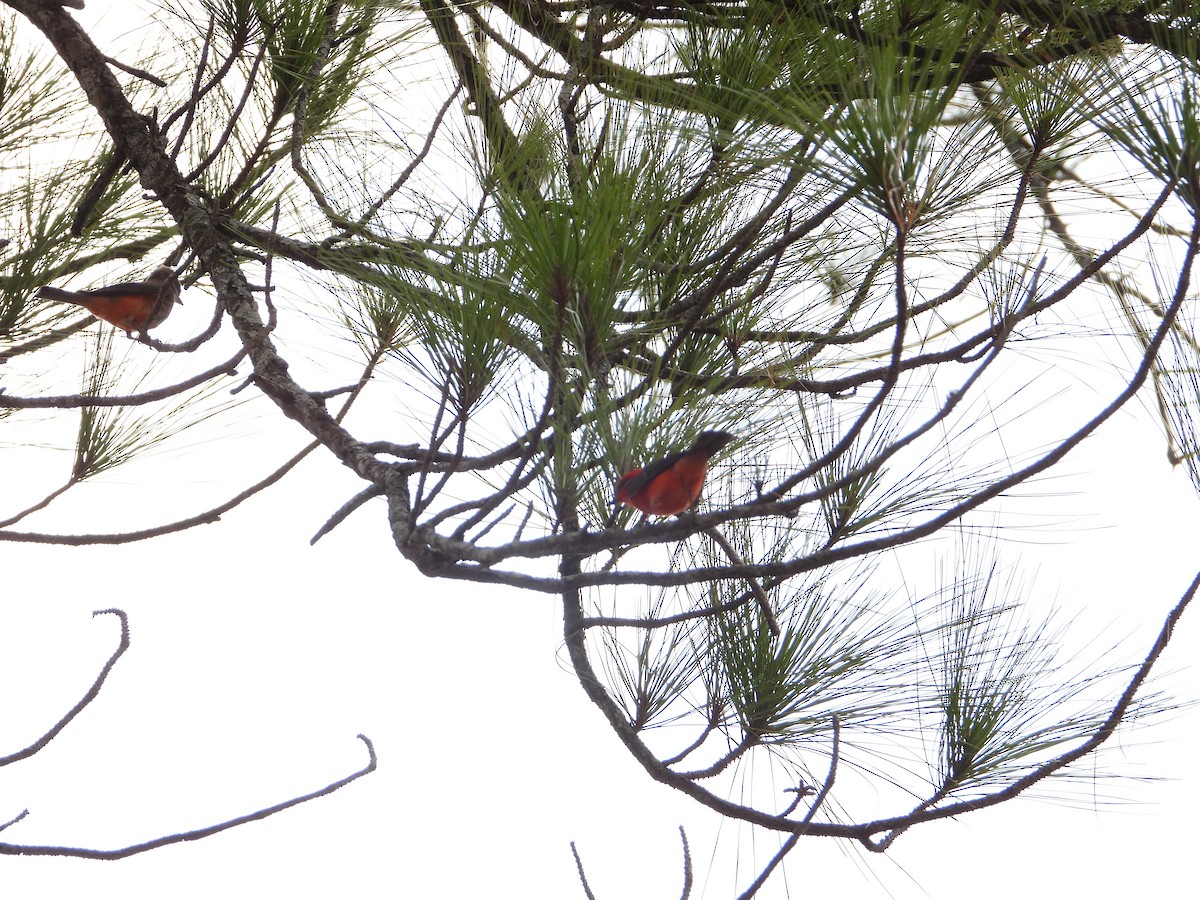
[
  {"x": 670, "y": 485},
  {"x": 132, "y": 306}
]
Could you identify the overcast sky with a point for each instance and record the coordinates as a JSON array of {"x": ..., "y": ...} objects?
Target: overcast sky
[{"x": 257, "y": 659}]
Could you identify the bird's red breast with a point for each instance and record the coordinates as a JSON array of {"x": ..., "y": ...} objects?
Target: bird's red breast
[{"x": 671, "y": 485}]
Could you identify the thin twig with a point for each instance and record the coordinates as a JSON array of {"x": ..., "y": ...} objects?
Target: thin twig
[
  {"x": 764, "y": 602},
  {"x": 795, "y": 836},
  {"x": 258, "y": 815},
  {"x": 587, "y": 889},
  {"x": 91, "y": 694},
  {"x": 345, "y": 510},
  {"x": 136, "y": 72}
]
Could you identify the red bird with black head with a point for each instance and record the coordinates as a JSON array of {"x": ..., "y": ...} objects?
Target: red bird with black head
[{"x": 671, "y": 485}]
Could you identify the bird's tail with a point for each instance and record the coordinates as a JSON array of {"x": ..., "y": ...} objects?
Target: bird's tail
[{"x": 53, "y": 293}]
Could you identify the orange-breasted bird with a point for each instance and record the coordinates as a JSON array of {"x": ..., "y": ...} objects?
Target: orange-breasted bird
[
  {"x": 670, "y": 485},
  {"x": 132, "y": 306}
]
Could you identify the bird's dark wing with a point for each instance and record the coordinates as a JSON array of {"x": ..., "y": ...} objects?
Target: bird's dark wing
[
  {"x": 650, "y": 471},
  {"x": 125, "y": 289}
]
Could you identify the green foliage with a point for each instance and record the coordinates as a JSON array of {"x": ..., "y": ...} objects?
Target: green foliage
[
  {"x": 1163, "y": 133},
  {"x": 312, "y": 56},
  {"x": 781, "y": 688},
  {"x": 1055, "y": 102},
  {"x": 462, "y": 334},
  {"x": 109, "y": 436},
  {"x": 33, "y": 99},
  {"x": 1001, "y": 687}
]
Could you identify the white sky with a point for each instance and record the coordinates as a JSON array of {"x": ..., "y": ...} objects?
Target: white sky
[{"x": 256, "y": 659}]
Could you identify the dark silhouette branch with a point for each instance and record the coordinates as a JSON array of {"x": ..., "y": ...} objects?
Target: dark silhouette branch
[
  {"x": 91, "y": 694},
  {"x": 7, "y": 849}
]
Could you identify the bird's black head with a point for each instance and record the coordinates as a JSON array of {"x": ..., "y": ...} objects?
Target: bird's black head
[{"x": 709, "y": 442}]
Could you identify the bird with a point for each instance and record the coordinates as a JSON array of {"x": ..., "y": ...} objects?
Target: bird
[
  {"x": 671, "y": 485},
  {"x": 131, "y": 306}
]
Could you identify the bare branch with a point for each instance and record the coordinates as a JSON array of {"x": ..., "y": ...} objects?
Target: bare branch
[
  {"x": 91, "y": 694},
  {"x": 7, "y": 849}
]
